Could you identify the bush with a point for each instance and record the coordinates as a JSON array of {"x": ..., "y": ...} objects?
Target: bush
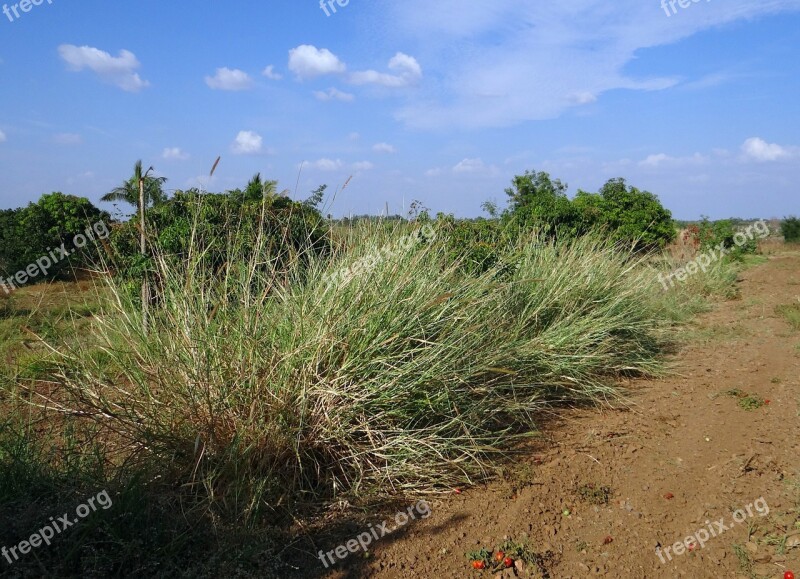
[
  {"x": 536, "y": 200},
  {"x": 631, "y": 216},
  {"x": 33, "y": 232},
  {"x": 712, "y": 234},
  {"x": 218, "y": 222},
  {"x": 273, "y": 385},
  {"x": 790, "y": 229},
  {"x": 477, "y": 246}
]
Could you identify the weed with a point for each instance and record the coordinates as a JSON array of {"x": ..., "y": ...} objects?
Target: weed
[
  {"x": 746, "y": 401},
  {"x": 523, "y": 551},
  {"x": 745, "y": 563},
  {"x": 595, "y": 495},
  {"x": 791, "y": 312},
  {"x": 751, "y": 403},
  {"x": 777, "y": 541}
]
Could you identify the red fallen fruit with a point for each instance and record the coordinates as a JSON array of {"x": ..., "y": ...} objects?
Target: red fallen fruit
[
  {"x": 788, "y": 575},
  {"x": 499, "y": 556},
  {"x": 608, "y": 540},
  {"x": 767, "y": 402},
  {"x": 478, "y": 565},
  {"x": 669, "y": 496},
  {"x": 457, "y": 491},
  {"x": 508, "y": 562}
]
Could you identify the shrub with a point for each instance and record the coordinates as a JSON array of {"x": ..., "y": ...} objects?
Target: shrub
[
  {"x": 790, "y": 229},
  {"x": 536, "y": 200},
  {"x": 273, "y": 385},
  {"x": 712, "y": 234},
  {"x": 32, "y": 232},
  {"x": 631, "y": 216},
  {"x": 216, "y": 222}
]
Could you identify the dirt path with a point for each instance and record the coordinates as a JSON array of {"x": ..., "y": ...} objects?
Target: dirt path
[{"x": 682, "y": 459}]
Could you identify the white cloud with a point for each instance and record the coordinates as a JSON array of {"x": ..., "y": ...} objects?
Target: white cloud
[
  {"x": 118, "y": 71},
  {"x": 3, "y": 138},
  {"x": 469, "y": 166},
  {"x": 660, "y": 159},
  {"x": 270, "y": 73},
  {"x": 757, "y": 149},
  {"x": 247, "y": 143},
  {"x": 229, "y": 79},
  {"x": 384, "y": 148},
  {"x": 362, "y": 166},
  {"x": 655, "y": 160},
  {"x": 582, "y": 98},
  {"x": 505, "y": 62},
  {"x": 81, "y": 178},
  {"x": 406, "y": 68},
  {"x": 308, "y": 61},
  {"x": 174, "y": 153},
  {"x": 435, "y": 172},
  {"x": 334, "y": 94},
  {"x": 67, "y": 139},
  {"x": 327, "y": 164}
]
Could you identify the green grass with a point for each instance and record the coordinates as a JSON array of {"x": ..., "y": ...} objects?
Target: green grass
[
  {"x": 258, "y": 393},
  {"x": 595, "y": 495},
  {"x": 746, "y": 401},
  {"x": 791, "y": 312},
  {"x": 407, "y": 376},
  {"x": 745, "y": 563}
]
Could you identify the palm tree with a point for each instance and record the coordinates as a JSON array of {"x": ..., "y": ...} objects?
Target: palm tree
[
  {"x": 129, "y": 190},
  {"x": 257, "y": 189}
]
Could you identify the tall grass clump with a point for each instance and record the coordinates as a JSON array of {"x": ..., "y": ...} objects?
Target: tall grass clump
[{"x": 381, "y": 369}]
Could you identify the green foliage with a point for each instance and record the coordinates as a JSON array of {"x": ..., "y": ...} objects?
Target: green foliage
[
  {"x": 410, "y": 375},
  {"x": 476, "y": 245},
  {"x": 633, "y": 217},
  {"x": 129, "y": 191},
  {"x": 317, "y": 195},
  {"x": 217, "y": 222},
  {"x": 713, "y": 233},
  {"x": 33, "y": 232},
  {"x": 539, "y": 201},
  {"x": 256, "y": 190},
  {"x": 790, "y": 229}
]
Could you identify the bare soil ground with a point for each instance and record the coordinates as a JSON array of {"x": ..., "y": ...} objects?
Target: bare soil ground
[{"x": 607, "y": 487}]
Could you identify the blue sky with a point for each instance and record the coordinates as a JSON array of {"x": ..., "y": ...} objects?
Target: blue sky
[{"x": 438, "y": 101}]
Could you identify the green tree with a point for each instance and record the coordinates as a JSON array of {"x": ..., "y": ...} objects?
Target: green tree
[
  {"x": 790, "y": 229},
  {"x": 128, "y": 192},
  {"x": 536, "y": 199},
  {"x": 632, "y": 216},
  {"x": 33, "y": 232},
  {"x": 317, "y": 195}
]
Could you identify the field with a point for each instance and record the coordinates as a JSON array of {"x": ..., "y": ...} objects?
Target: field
[{"x": 567, "y": 407}]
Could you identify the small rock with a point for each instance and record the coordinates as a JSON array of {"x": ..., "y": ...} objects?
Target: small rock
[{"x": 763, "y": 558}]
